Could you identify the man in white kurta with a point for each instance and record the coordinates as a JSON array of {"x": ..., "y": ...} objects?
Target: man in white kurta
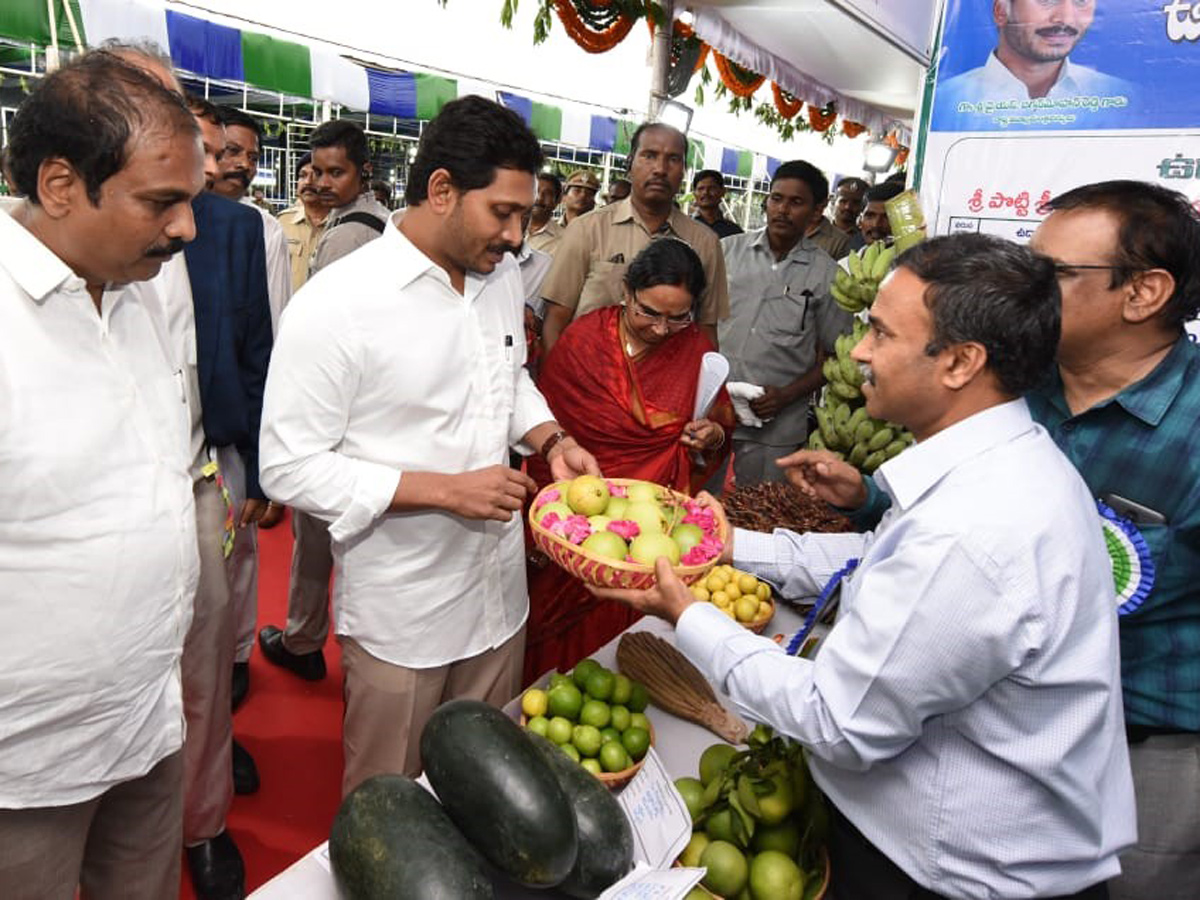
[{"x": 395, "y": 393}]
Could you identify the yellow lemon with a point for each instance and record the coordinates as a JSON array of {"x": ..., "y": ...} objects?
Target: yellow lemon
[
  {"x": 700, "y": 592},
  {"x": 720, "y": 599},
  {"x": 715, "y": 583},
  {"x": 535, "y": 703},
  {"x": 732, "y": 589},
  {"x": 763, "y": 591},
  {"x": 748, "y": 583}
]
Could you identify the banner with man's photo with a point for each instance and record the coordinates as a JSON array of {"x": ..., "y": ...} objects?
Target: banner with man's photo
[{"x": 1030, "y": 98}]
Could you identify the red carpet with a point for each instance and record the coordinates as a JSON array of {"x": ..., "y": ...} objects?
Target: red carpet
[{"x": 293, "y": 729}]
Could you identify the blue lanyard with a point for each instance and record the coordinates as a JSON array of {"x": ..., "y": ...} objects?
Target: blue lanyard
[{"x": 810, "y": 621}]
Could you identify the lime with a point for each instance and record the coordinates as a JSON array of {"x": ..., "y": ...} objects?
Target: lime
[
  {"x": 620, "y": 717},
  {"x": 727, "y": 868},
  {"x": 622, "y": 689},
  {"x": 558, "y": 678},
  {"x": 613, "y": 757},
  {"x": 600, "y": 684},
  {"x": 538, "y": 725},
  {"x": 592, "y": 765},
  {"x": 583, "y": 670},
  {"x": 559, "y": 730},
  {"x": 714, "y": 760},
  {"x": 534, "y": 703},
  {"x": 595, "y": 712},
  {"x": 639, "y": 720},
  {"x": 570, "y": 750},
  {"x": 586, "y": 739},
  {"x": 639, "y": 698},
  {"x": 636, "y": 742},
  {"x": 690, "y": 856},
  {"x": 565, "y": 700},
  {"x": 719, "y": 826},
  {"x": 776, "y": 806},
  {"x": 784, "y": 837},
  {"x": 610, "y": 734},
  {"x": 774, "y": 876},
  {"x": 692, "y": 792}
]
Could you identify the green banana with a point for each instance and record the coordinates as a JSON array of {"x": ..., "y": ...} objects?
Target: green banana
[
  {"x": 882, "y": 262},
  {"x": 825, "y": 424},
  {"x": 868, "y": 259},
  {"x": 841, "y": 416},
  {"x": 842, "y": 279},
  {"x": 857, "y": 417},
  {"x": 848, "y": 391},
  {"x": 874, "y": 461},
  {"x": 854, "y": 261},
  {"x": 815, "y": 441},
  {"x": 863, "y": 433},
  {"x": 895, "y": 448},
  {"x": 844, "y": 300},
  {"x": 851, "y": 373},
  {"x": 882, "y": 438},
  {"x": 831, "y": 370},
  {"x": 858, "y": 455}
]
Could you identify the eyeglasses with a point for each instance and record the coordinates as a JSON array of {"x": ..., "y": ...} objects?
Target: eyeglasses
[{"x": 680, "y": 321}]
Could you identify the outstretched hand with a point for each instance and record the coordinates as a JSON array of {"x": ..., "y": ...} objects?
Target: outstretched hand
[{"x": 820, "y": 474}]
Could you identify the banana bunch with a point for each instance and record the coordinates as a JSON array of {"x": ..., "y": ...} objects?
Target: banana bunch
[
  {"x": 843, "y": 425},
  {"x": 854, "y": 289}
]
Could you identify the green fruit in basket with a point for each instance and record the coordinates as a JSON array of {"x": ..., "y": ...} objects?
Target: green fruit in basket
[
  {"x": 592, "y": 765},
  {"x": 620, "y": 715},
  {"x": 719, "y": 826},
  {"x": 622, "y": 689},
  {"x": 715, "y": 760},
  {"x": 586, "y": 739},
  {"x": 687, "y": 536},
  {"x": 599, "y": 523},
  {"x": 647, "y": 515},
  {"x": 695, "y": 848},
  {"x": 642, "y": 490},
  {"x": 639, "y": 720},
  {"x": 538, "y": 725},
  {"x": 692, "y": 792},
  {"x": 558, "y": 507},
  {"x": 595, "y": 713},
  {"x": 607, "y": 544},
  {"x": 564, "y": 700},
  {"x": 613, "y": 757},
  {"x": 559, "y": 730},
  {"x": 775, "y": 876},
  {"x": 570, "y": 750},
  {"x": 616, "y": 508},
  {"x": 600, "y": 684},
  {"x": 647, "y": 548},
  {"x": 784, "y": 837},
  {"x": 639, "y": 698},
  {"x": 583, "y": 669},
  {"x": 636, "y": 742},
  {"x": 588, "y": 495},
  {"x": 558, "y": 678},
  {"x": 610, "y": 734},
  {"x": 728, "y": 870}
]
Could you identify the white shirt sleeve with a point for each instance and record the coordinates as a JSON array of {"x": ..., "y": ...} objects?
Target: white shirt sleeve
[
  {"x": 943, "y": 629},
  {"x": 314, "y": 374},
  {"x": 529, "y": 410}
]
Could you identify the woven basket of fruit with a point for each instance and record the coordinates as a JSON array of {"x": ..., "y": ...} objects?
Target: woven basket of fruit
[
  {"x": 608, "y": 533},
  {"x": 739, "y": 595},
  {"x": 566, "y": 710}
]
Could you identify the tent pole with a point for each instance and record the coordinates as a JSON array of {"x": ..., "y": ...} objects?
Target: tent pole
[{"x": 660, "y": 58}]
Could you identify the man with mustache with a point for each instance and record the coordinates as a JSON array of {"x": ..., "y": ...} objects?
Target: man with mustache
[
  {"x": 590, "y": 262},
  {"x": 397, "y": 390},
  {"x": 580, "y": 196},
  {"x": 341, "y": 177},
  {"x": 303, "y": 222},
  {"x": 782, "y": 320},
  {"x": 544, "y": 233},
  {"x": 1031, "y": 59},
  {"x": 98, "y": 552}
]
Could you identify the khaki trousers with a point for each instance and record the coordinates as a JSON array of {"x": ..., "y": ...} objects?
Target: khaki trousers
[
  {"x": 122, "y": 845},
  {"x": 207, "y": 677},
  {"x": 387, "y": 706},
  {"x": 242, "y": 565},
  {"x": 308, "y": 591}
]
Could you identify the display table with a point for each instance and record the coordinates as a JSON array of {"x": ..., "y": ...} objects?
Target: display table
[{"x": 678, "y": 743}]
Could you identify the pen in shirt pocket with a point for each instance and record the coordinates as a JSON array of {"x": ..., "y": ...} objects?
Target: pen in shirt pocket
[
  {"x": 182, "y": 386},
  {"x": 508, "y": 347}
]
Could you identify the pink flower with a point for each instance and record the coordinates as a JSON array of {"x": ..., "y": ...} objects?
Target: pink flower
[
  {"x": 576, "y": 529},
  {"x": 617, "y": 490},
  {"x": 625, "y": 528},
  {"x": 549, "y": 520},
  {"x": 549, "y": 496},
  {"x": 705, "y": 518},
  {"x": 709, "y": 548}
]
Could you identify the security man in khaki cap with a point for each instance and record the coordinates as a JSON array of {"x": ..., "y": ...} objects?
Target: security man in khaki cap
[{"x": 580, "y": 196}]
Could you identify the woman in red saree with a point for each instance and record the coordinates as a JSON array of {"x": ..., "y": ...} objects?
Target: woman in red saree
[{"x": 622, "y": 381}]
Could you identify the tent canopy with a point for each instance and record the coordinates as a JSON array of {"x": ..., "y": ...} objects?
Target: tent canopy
[{"x": 867, "y": 56}]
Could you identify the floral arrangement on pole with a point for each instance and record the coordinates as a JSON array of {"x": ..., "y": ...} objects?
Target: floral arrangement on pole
[
  {"x": 822, "y": 118},
  {"x": 740, "y": 81},
  {"x": 852, "y": 129},
  {"x": 787, "y": 104}
]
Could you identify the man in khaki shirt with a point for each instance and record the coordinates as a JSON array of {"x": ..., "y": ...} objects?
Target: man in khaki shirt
[
  {"x": 590, "y": 262},
  {"x": 544, "y": 233},
  {"x": 303, "y": 222}
]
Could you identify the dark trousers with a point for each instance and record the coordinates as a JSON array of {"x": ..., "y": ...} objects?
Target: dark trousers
[{"x": 862, "y": 872}]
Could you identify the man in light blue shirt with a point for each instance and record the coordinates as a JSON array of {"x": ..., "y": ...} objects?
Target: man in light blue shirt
[{"x": 964, "y": 713}]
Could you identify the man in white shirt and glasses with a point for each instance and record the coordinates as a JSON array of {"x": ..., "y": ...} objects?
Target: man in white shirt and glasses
[
  {"x": 964, "y": 713},
  {"x": 98, "y": 552},
  {"x": 396, "y": 390}
]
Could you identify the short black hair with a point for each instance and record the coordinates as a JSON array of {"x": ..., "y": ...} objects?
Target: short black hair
[
  {"x": 707, "y": 173},
  {"x": 555, "y": 179},
  {"x": 1158, "y": 229},
  {"x": 88, "y": 113},
  {"x": 636, "y": 138},
  {"x": 231, "y": 115},
  {"x": 345, "y": 134},
  {"x": 667, "y": 260},
  {"x": 305, "y": 160},
  {"x": 471, "y": 138},
  {"x": 853, "y": 181},
  {"x": 881, "y": 193},
  {"x": 809, "y": 174},
  {"x": 996, "y": 293},
  {"x": 202, "y": 109}
]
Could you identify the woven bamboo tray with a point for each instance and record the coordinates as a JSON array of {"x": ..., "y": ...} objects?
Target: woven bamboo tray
[
  {"x": 600, "y": 571},
  {"x": 614, "y": 780},
  {"x": 820, "y": 895}
]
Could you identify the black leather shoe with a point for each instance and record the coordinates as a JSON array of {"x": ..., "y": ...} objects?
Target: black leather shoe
[
  {"x": 240, "y": 684},
  {"x": 245, "y": 772},
  {"x": 217, "y": 870},
  {"x": 309, "y": 666}
]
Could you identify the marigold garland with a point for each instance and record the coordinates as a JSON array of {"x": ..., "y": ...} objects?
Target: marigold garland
[
  {"x": 852, "y": 129},
  {"x": 787, "y": 104},
  {"x": 594, "y": 35},
  {"x": 740, "y": 81},
  {"x": 901, "y": 157},
  {"x": 821, "y": 119}
]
